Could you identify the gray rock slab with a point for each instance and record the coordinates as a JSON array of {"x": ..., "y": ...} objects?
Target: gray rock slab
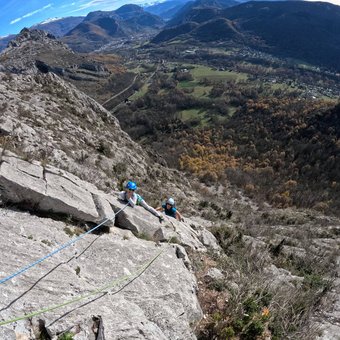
[
  {"x": 21, "y": 180},
  {"x": 50, "y": 189},
  {"x": 208, "y": 239},
  {"x": 158, "y": 304},
  {"x": 63, "y": 195},
  {"x": 213, "y": 274},
  {"x": 278, "y": 277},
  {"x": 140, "y": 221},
  {"x": 6, "y": 126},
  {"x": 104, "y": 209}
]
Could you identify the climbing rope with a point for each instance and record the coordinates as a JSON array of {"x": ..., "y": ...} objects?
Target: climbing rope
[
  {"x": 65, "y": 245},
  {"x": 105, "y": 289}
]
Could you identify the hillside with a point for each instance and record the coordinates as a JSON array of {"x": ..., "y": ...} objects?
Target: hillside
[
  {"x": 236, "y": 267},
  {"x": 100, "y": 28},
  {"x": 204, "y": 7},
  {"x": 303, "y": 30},
  {"x": 252, "y": 121},
  {"x": 100, "y": 75}
]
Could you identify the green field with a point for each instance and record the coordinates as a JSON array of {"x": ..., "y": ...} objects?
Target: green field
[
  {"x": 194, "y": 115},
  {"x": 198, "y": 90},
  {"x": 201, "y": 72}
]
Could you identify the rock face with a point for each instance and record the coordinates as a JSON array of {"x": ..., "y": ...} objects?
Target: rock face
[
  {"x": 150, "y": 291},
  {"x": 66, "y": 141},
  {"x": 44, "y": 118},
  {"x": 79, "y": 129},
  {"x": 328, "y": 320},
  {"x": 33, "y": 43},
  {"x": 49, "y": 189},
  {"x": 158, "y": 302}
]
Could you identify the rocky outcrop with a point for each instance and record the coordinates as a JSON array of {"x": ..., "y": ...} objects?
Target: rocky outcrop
[
  {"x": 158, "y": 302},
  {"x": 141, "y": 222},
  {"x": 45, "y": 118},
  {"x": 49, "y": 189},
  {"x": 162, "y": 305},
  {"x": 33, "y": 43},
  {"x": 149, "y": 296}
]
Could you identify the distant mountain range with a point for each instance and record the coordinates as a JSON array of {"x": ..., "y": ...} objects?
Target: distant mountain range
[
  {"x": 199, "y": 7},
  {"x": 5, "y": 40},
  {"x": 59, "y": 27},
  {"x": 99, "y": 28},
  {"x": 309, "y": 31},
  {"x": 167, "y": 9}
]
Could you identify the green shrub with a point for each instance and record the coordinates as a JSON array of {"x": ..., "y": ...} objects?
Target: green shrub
[
  {"x": 250, "y": 306},
  {"x": 228, "y": 332},
  {"x": 218, "y": 285},
  {"x": 66, "y": 336},
  {"x": 252, "y": 330}
]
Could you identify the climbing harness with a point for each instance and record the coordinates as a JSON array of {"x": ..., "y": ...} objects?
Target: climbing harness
[{"x": 65, "y": 245}]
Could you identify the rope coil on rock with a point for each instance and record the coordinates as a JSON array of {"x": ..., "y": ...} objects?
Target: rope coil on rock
[{"x": 65, "y": 245}]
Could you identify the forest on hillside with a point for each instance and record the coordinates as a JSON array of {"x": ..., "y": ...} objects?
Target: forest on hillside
[{"x": 272, "y": 142}]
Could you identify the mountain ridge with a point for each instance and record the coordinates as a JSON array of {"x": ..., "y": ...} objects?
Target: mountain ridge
[
  {"x": 100, "y": 28},
  {"x": 303, "y": 30}
]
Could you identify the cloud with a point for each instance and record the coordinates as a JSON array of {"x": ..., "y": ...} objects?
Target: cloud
[
  {"x": 68, "y": 5},
  {"x": 30, "y": 14},
  {"x": 94, "y": 3}
]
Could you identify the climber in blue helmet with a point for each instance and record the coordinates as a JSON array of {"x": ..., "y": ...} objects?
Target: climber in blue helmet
[
  {"x": 170, "y": 210},
  {"x": 130, "y": 196}
]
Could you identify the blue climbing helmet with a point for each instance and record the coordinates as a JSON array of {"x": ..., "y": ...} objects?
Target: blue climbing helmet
[
  {"x": 131, "y": 185},
  {"x": 171, "y": 201}
]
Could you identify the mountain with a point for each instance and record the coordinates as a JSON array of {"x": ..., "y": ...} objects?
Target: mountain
[
  {"x": 129, "y": 11},
  {"x": 298, "y": 29},
  {"x": 100, "y": 28},
  {"x": 59, "y": 26},
  {"x": 174, "y": 32},
  {"x": 205, "y": 7},
  {"x": 5, "y": 40},
  {"x": 167, "y": 9},
  {"x": 60, "y": 150},
  {"x": 42, "y": 51},
  {"x": 219, "y": 28}
]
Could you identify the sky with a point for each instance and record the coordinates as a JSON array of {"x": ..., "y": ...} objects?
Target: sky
[{"x": 17, "y": 14}]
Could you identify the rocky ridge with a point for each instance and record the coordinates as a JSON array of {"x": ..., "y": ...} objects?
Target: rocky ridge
[
  {"x": 50, "y": 190},
  {"x": 41, "y": 51}
]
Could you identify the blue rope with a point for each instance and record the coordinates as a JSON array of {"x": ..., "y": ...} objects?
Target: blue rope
[{"x": 65, "y": 245}]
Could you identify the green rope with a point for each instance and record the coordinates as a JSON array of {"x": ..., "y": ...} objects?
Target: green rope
[{"x": 111, "y": 285}]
